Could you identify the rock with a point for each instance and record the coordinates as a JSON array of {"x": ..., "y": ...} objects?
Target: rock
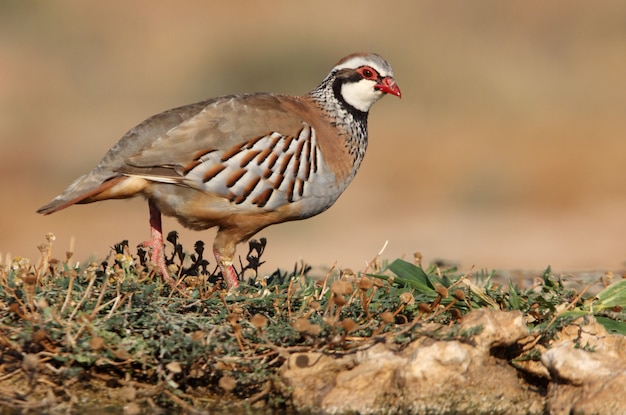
[
  {"x": 498, "y": 328},
  {"x": 445, "y": 370},
  {"x": 588, "y": 370},
  {"x": 427, "y": 375}
]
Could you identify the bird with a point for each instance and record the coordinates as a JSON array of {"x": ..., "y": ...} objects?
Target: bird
[{"x": 242, "y": 162}]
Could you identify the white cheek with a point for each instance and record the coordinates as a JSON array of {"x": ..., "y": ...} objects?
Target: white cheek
[{"x": 361, "y": 95}]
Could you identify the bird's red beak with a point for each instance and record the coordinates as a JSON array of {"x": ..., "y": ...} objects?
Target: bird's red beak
[{"x": 388, "y": 86}]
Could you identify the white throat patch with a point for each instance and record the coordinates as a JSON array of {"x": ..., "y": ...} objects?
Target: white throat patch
[{"x": 361, "y": 95}]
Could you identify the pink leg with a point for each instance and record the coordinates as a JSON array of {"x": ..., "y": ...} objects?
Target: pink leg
[
  {"x": 156, "y": 243},
  {"x": 228, "y": 272}
]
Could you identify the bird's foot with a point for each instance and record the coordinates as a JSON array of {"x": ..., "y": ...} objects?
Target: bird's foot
[
  {"x": 157, "y": 257},
  {"x": 228, "y": 272},
  {"x": 155, "y": 244}
]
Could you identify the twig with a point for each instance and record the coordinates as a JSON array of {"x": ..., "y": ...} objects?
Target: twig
[
  {"x": 267, "y": 387},
  {"x": 557, "y": 315},
  {"x": 184, "y": 405},
  {"x": 323, "y": 291},
  {"x": 289, "y": 293},
  {"x": 368, "y": 265},
  {"x": 84, "y": 297},
  {"x": 119, "y": 301},
  {"x": 69, "y": 292},
  {"x": 10, "y": 375},
  {"x": 96, "y": 308}
]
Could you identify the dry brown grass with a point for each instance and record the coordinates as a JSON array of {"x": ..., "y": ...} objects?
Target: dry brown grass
[{"x": 112, "y": 333}]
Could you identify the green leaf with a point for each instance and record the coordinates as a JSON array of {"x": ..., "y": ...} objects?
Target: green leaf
[
  {"x": 612, "y": 296},
  {"x": 514, "y": 299},
  {"x": 612, "y": 326},
  {"x": 547, "y": 278},
  {"x": 84, "y": 358},
  {"x": 412, "y": 276}
]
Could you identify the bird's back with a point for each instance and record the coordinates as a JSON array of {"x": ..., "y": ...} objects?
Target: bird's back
[{"x": 256, "y": 151}]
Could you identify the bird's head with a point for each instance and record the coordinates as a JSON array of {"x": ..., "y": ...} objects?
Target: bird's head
[{"x": 361, "y": 79}]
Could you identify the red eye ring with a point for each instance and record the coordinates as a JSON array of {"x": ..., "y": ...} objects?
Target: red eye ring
[{"x": 368, "y": 73}]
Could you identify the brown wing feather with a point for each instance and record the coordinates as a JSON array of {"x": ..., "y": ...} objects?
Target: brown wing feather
[
  {"x": 168, "y": 144},
  {"x": 223, "y": 125}
]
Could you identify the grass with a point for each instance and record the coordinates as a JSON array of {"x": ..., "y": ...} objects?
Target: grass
[{"x": 115, "y": 326}]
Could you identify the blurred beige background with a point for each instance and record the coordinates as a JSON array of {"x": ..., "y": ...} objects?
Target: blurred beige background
[{"x": 507, "y": 149}]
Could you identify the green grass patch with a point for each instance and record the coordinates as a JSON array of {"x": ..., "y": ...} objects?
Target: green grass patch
[{"x": 115, "y": 323}]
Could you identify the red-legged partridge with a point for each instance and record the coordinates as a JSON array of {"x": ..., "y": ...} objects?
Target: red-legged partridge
[{"x": 242, "y": 162}]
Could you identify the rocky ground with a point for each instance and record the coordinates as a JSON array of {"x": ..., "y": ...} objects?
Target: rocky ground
[
  {"x": 582, "y": 372},
  {"x": 395, "y": 338},
  {"x": 443, "y": 370}
]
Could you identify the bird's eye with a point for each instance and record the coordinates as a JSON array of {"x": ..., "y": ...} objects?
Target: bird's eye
[{"x": 368, "y": 73}]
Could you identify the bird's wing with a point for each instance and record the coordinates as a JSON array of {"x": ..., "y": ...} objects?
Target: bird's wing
[
  {"x": 221, "y": 125},
  {"x": 255, "y": 150}
]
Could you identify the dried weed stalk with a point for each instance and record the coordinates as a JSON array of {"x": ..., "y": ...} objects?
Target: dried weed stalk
[{"x": 117, "y": 325}]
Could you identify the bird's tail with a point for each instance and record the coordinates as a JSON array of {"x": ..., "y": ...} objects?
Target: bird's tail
[{"x": 84, "y": 190}]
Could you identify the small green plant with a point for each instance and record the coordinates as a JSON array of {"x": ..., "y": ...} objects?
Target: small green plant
[{"x": 115, "y": 323}]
